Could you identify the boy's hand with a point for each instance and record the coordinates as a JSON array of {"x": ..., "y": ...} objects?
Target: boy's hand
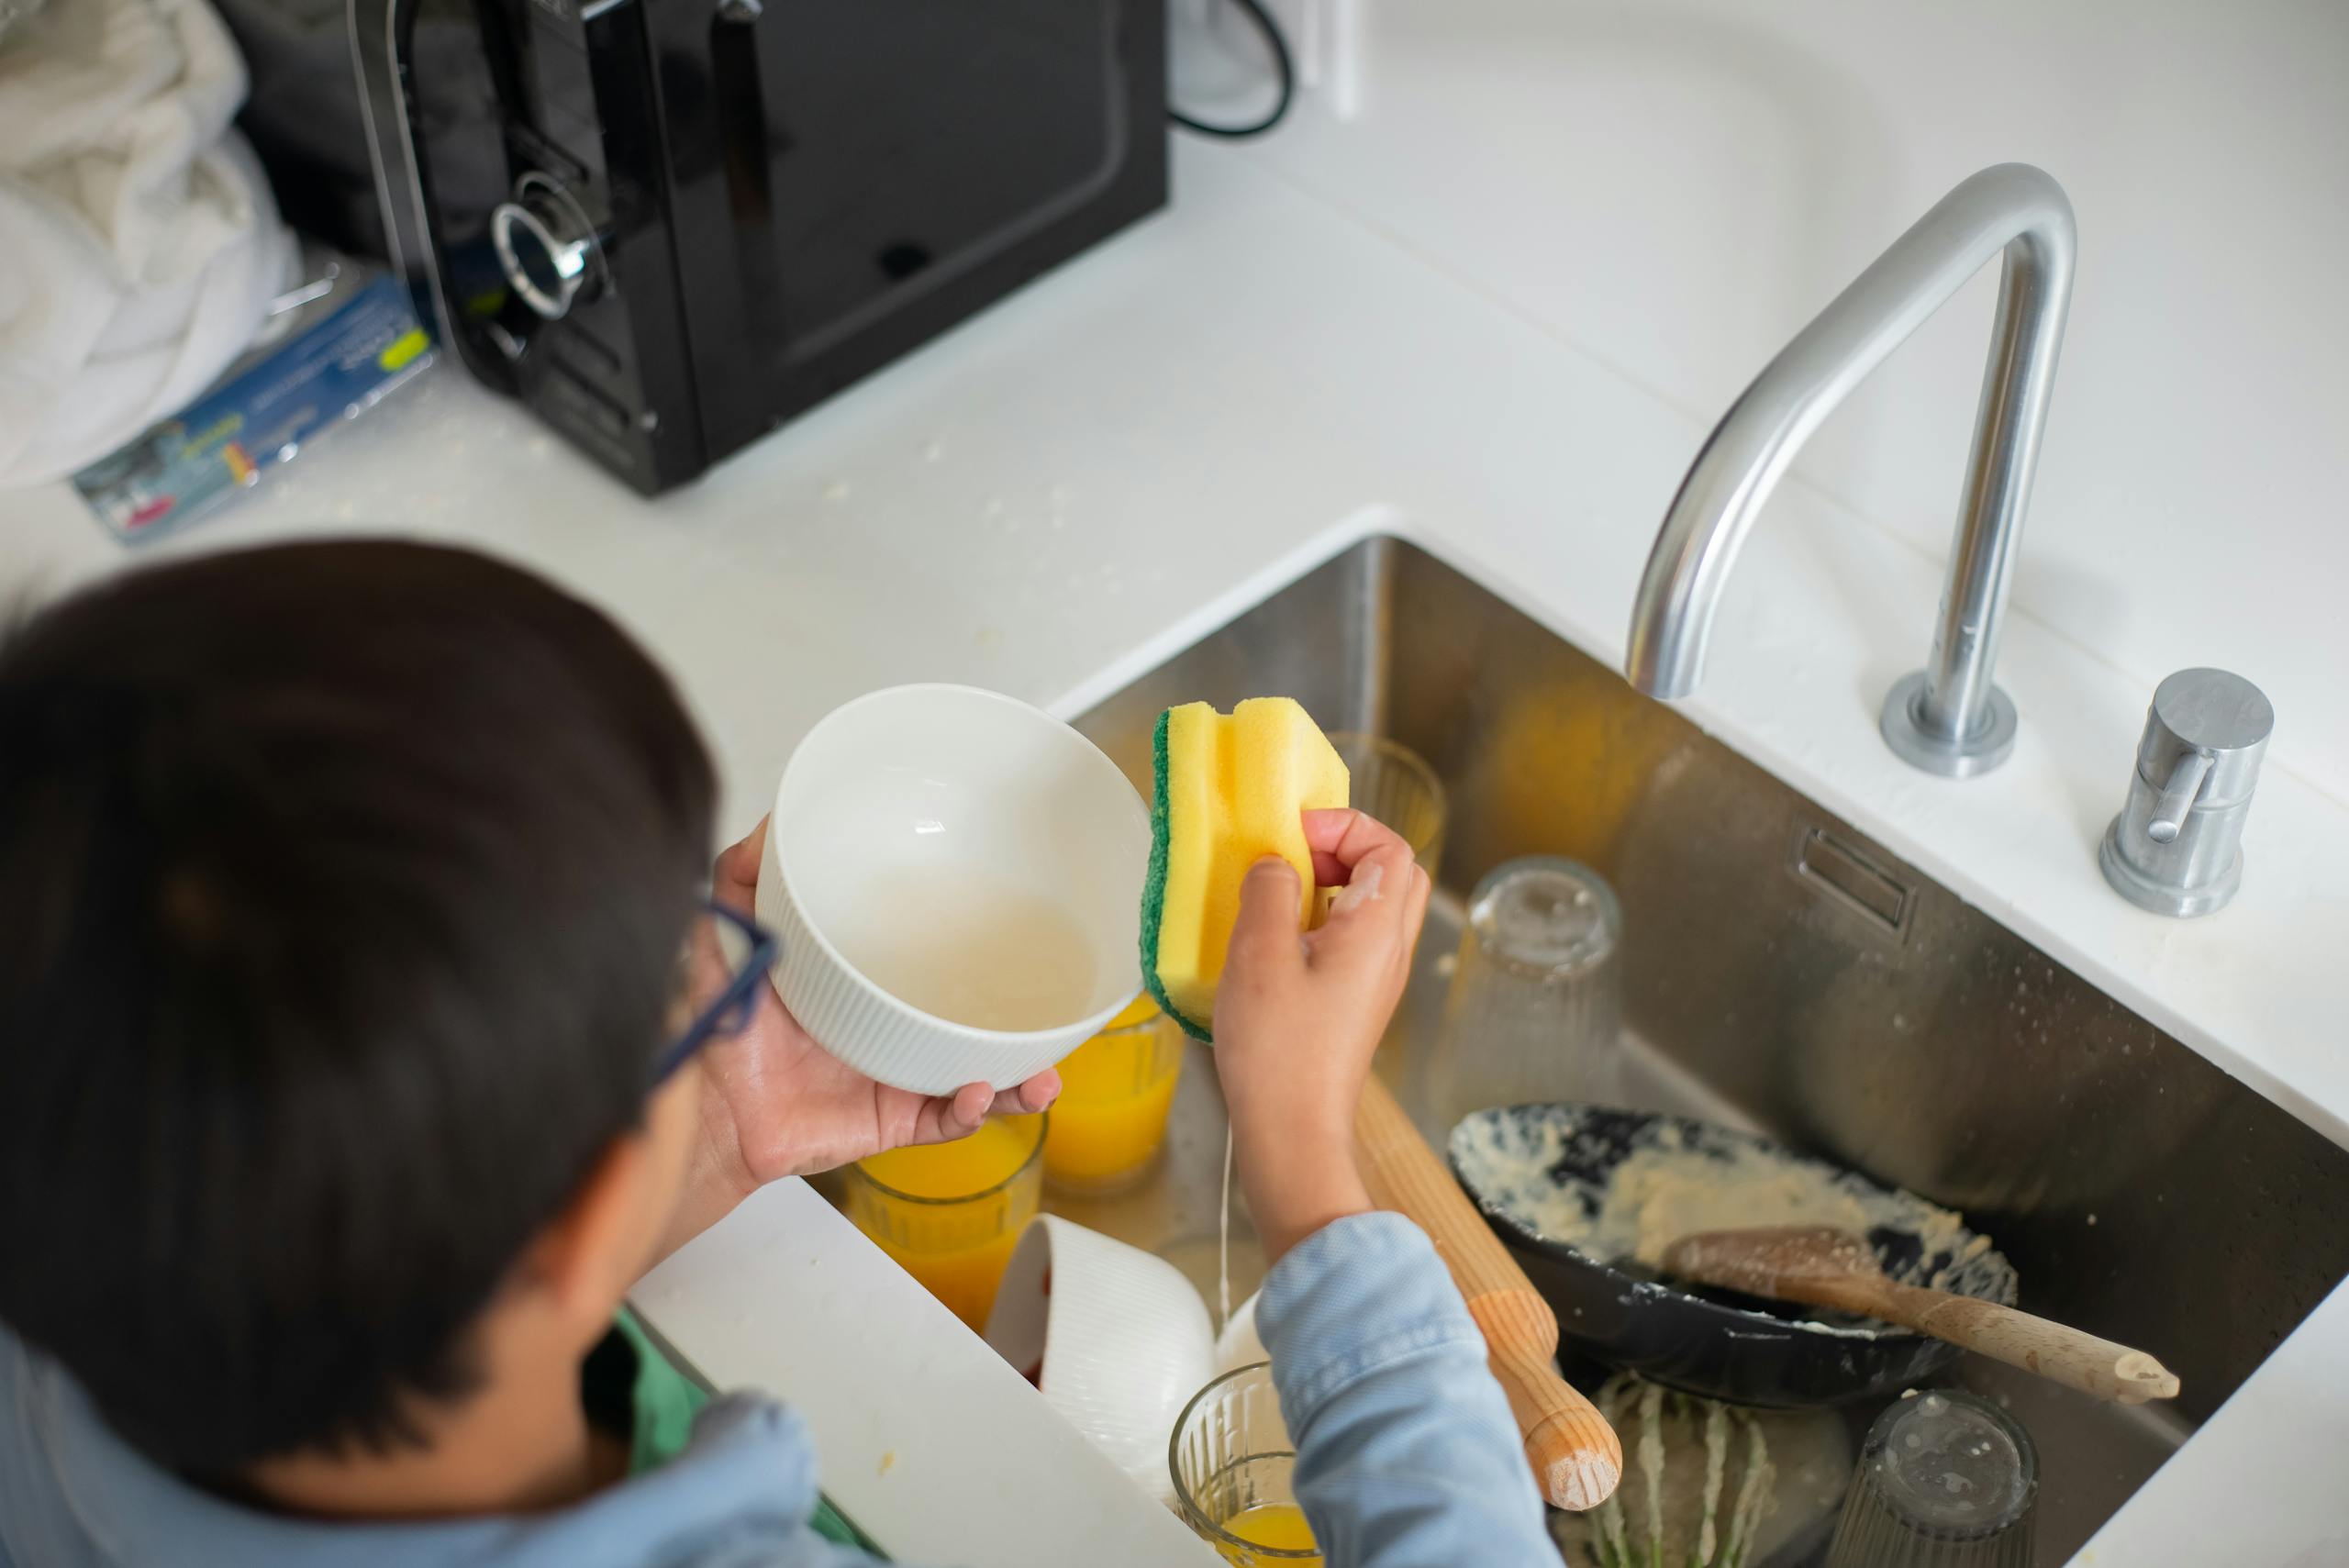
[
  {"x": 776, "y": 1104},
  {"x": 1297, "y": 1018}
]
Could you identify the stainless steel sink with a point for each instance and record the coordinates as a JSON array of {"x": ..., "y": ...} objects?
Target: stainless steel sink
[{"x": 1784, "y": 972}]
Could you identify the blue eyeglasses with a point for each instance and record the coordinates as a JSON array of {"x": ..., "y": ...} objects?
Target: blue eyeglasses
[{"x": 749, "y": 949}]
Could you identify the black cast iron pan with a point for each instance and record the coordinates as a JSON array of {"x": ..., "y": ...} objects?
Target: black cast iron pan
[{"x": 1537, "y": 1170}]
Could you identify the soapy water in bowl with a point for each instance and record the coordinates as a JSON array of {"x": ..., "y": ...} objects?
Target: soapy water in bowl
[{"x": 973, "y": 950}]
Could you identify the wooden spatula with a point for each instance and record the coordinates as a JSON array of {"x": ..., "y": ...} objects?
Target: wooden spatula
[
  {"x": 1576, "y": 1458},
  {"x": 1822, "y": 1266}
]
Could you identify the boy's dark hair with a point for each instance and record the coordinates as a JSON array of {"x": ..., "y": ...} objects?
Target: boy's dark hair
[{"x": 345, "y": 885}]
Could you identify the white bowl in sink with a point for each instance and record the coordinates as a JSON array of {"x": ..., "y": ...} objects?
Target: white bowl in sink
[
  {"x": 956, "y": 879},
  {"x": 1113, "y": 1337}
]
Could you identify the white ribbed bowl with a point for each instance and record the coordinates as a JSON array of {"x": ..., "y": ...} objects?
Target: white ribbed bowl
[
  {"x": 1123, "y": 1340},
  {"x": 920, "y": 809}
]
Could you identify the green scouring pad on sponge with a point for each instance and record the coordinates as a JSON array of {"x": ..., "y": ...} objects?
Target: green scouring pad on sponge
[{"x": 1227, "y": 790}]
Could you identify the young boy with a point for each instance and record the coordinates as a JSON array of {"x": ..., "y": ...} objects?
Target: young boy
[{"x": 364, "y": 1035}]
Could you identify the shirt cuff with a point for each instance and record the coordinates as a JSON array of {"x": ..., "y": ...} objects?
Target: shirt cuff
[{"x": 1355, "y": 1298}]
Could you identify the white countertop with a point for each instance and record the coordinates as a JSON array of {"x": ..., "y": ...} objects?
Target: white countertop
[{"x": 1072, "y": 486}]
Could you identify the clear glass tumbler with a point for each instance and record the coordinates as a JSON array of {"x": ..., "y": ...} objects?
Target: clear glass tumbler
[
  {"x": 1946, "y": 1480},
  {"x": 1394, "y": 783},
  {"x": 1232, "y": 1460},
  {"x": 1536, "y": 1009},
  {"x": 951, "y": 1213}
]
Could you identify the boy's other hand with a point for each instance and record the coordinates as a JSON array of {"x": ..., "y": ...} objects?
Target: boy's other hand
[
  {"x": 776, "y": 1104},
  {"x": 1297, "y": 1018}
]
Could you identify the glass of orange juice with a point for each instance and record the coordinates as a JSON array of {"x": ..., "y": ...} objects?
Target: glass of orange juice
[
  {"x": 951, "y": 1213},
  {"x": 1110, "y": 1120},
  {"x": 1232, "y": 1461}
]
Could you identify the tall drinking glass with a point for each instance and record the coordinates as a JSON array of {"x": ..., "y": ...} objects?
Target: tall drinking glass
[
  {"x": 1395, "y": 784},
  {"x": 951, "y": 1213},
  {"x": 1536, "y": 1009}
]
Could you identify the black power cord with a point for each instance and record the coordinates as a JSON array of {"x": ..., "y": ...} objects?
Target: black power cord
[{"x": 1282, "y": 63}]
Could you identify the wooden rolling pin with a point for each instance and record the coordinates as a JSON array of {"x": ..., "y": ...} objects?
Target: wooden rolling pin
[
  {"x": 1576, "y": 1458},
  {"x": 1822, "y": 1266}
]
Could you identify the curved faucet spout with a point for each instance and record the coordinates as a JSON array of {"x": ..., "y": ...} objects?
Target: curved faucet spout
[{"x": 1948, "y": 717}]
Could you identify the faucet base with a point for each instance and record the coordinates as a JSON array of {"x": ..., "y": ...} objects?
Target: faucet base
[{"x": 1953, "y": 758}]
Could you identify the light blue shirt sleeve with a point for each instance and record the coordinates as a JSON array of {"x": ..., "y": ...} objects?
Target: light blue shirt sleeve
[{"x": 1406, "y": 1454}]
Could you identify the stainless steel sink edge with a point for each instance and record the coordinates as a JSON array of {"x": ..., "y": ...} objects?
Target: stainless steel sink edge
[{"x": 1784, "y": 971}]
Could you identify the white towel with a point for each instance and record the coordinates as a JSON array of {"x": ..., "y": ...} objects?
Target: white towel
[{"x": 140, "y": 247}]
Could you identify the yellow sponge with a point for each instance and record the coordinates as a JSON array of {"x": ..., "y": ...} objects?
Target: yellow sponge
[{"x": 1228, "y": 790}]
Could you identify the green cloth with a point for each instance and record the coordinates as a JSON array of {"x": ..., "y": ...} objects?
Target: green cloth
[
  {"x": 663, "y": 1401},
  {"x": 658, "y": 1409}
]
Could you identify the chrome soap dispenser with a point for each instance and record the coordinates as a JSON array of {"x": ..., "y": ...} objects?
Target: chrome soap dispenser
[{"x": 2176, "y": 848}]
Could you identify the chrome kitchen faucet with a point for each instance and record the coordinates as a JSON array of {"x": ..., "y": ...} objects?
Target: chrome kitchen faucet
[{"x": 1948, "y": 717}]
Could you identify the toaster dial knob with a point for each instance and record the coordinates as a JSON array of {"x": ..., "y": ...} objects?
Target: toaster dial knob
[{"x": 545, "y": 246}]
